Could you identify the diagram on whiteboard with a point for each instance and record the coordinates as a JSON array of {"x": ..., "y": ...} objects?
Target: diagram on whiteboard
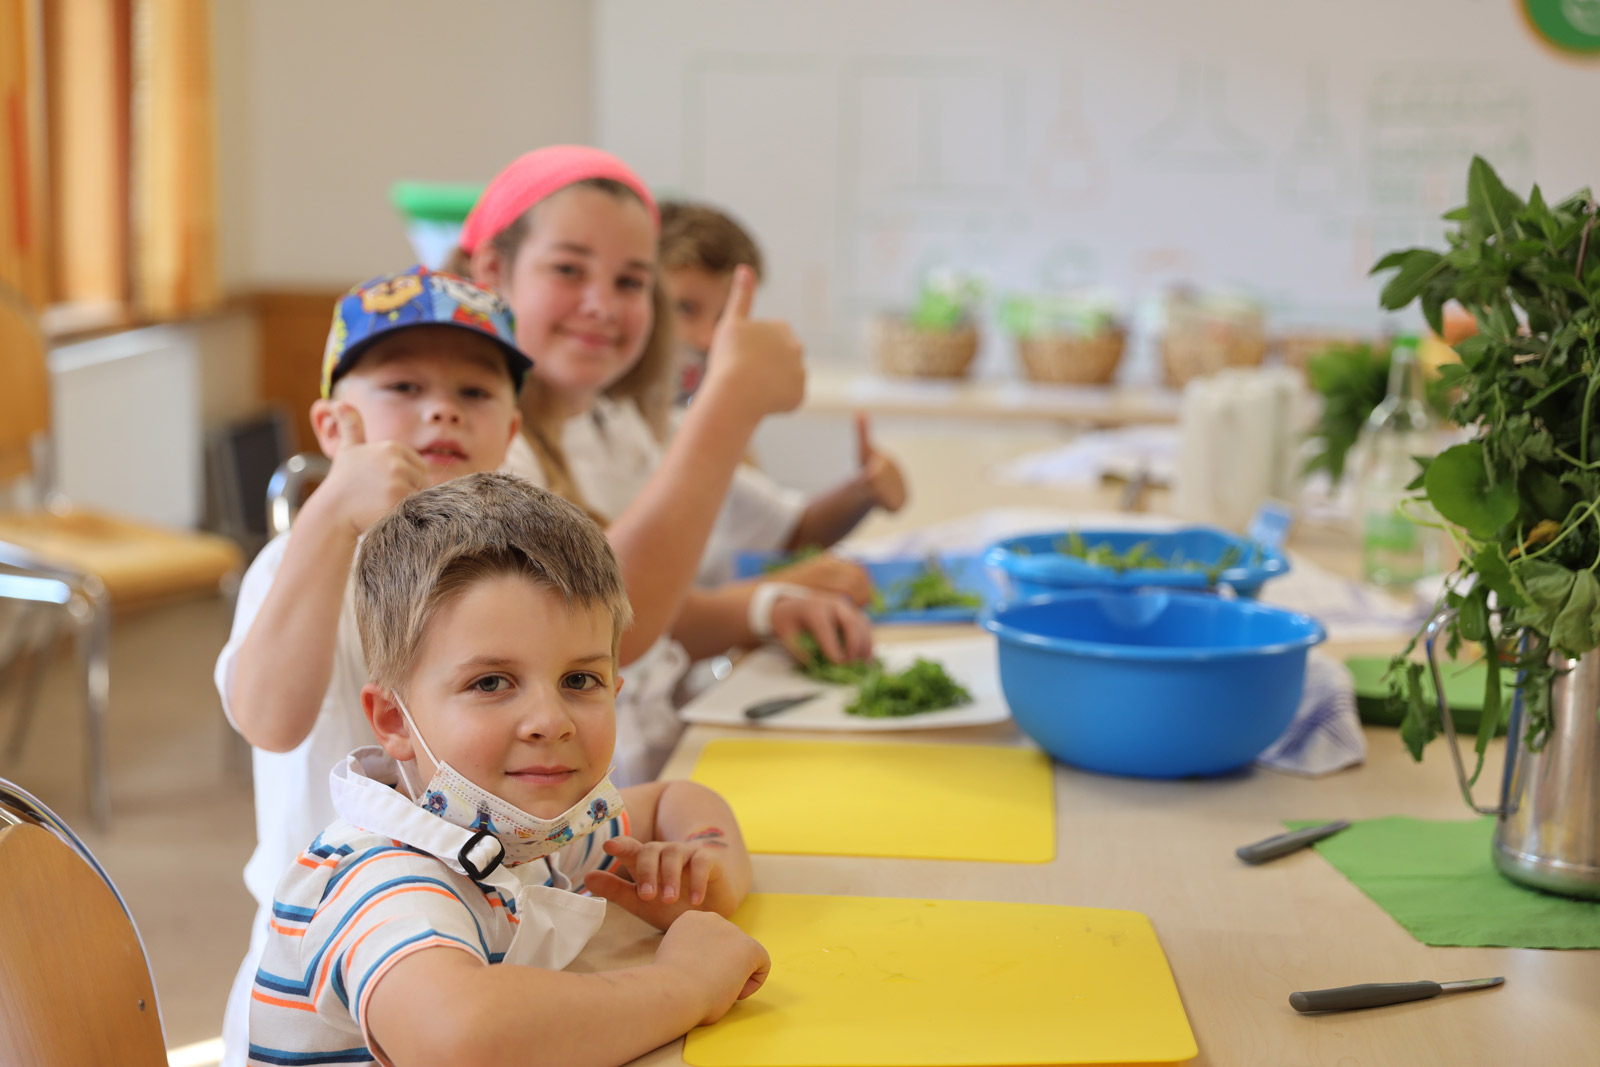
[{"x": 1197, "y": 134}]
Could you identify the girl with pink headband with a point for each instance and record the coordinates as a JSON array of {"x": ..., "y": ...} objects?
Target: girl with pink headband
[{"x": 567, "y": 234}]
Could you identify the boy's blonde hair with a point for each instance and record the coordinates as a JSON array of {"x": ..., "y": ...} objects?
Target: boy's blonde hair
[
  {"x": 437, "y": 543},
  {"x": 700, "y": 237},
  {"x": 650, "y": 383}
]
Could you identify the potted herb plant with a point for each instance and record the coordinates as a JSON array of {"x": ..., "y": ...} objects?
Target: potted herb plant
[
  {"x": 1522, "y": 500},
  {"x": 938, "y": 338},
  {"x": 1065, "y": 338}
]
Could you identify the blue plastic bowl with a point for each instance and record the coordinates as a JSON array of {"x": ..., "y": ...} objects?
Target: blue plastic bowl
[
  {"x": 1031, "y": 566},
  {"x": 1154, "y": 685}
]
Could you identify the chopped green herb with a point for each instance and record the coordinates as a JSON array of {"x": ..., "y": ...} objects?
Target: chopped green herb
[
  {"x": 1140, "y": 557},
  {"x": 926, "y": 590},
  {"x": 924, "y": 686}
]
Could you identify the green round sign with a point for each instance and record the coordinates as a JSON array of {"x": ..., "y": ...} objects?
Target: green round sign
[{"x": 1571, "y": 25}]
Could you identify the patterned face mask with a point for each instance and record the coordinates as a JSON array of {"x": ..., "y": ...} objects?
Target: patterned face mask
[{"x": 524, "y": 836}]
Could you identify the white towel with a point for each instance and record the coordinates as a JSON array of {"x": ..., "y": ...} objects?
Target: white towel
[{"x": 1325, "y": 734}]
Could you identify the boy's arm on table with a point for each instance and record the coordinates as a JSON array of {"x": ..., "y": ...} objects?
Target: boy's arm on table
[
  {"x": 711, "y": 622},
  {"x": 756, "y": 370},
  {"x": 444, "y": 1005},
  {"x": 687, "y": 814}
]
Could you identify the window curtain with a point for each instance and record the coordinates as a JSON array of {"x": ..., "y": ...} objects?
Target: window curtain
[
  {"x": 24, "y": 280},
  {"x": 174, "y": 160}
]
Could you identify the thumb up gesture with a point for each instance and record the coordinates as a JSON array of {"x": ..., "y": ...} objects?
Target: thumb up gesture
[
  {"x": 366, "y": 480},
  {"x": 879, "y": 473},
  {"x": 755, "y": 363}
]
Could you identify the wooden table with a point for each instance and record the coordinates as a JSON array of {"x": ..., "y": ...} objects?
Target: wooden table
[{"x": 1239, "y": 938}]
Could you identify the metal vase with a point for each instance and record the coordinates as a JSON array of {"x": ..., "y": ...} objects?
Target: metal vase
[{"x": 1547, "y": 824}]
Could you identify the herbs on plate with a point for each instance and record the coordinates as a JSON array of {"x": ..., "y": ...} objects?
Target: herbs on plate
[
  {"x": 923, "y": 686},
  {"x": 1522, "y": 498}
]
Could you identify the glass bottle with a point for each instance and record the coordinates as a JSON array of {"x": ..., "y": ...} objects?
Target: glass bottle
[{"x": 1395, "y": 550}]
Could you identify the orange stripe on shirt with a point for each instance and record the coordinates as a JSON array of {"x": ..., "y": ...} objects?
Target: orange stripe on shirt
[
  {"x": 287, "y": 931},
  {"x": 258, "y": 995},
  {"x": 331, "y": 952}
]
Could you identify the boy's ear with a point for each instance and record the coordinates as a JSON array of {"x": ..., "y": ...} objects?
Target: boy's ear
[
  {"x": 387, "y": 723},
  {"x": 325, "y": 424}
]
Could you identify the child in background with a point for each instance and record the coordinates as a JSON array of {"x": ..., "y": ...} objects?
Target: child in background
[
  {"x": 419, "y": 385},
  {"x": 701, "y": 249},
  {"x": 568, "y": 235},
  {"x": 492, "y": 613}
]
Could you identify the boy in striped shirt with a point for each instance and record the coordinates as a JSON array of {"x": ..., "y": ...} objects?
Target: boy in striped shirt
[{"x": 478, "y": 842}]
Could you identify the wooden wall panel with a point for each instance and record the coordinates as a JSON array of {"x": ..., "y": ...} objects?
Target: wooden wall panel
[{"x": 293, "y": 328}]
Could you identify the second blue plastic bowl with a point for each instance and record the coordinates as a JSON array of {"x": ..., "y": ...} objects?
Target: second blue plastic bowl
[{"x": 1155, "y": 685}]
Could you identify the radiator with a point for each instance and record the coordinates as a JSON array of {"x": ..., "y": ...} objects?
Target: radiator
[{"x": 125, "y": 425}]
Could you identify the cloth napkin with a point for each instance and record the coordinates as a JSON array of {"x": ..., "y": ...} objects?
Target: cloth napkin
[
  {"x": 1325, "y": 734},
  {"x": 1436, "y": 879}
]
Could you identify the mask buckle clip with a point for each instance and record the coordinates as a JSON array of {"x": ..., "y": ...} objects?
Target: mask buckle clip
[{"x": 475, "y": 872}]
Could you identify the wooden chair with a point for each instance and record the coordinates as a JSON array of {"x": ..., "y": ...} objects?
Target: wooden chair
[
  {"x": 75, "y": 984},
  {"x": 90, "y": 564}
]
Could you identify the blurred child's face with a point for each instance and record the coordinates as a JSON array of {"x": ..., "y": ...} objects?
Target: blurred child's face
[
  {"x": 580, "y": 289},
  {"x": 442, "y": 390},
  {"x": 698, "y": 297},
  {"x": 517, "y": 691}
]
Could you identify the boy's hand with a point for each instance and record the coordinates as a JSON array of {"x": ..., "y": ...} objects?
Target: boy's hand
[
  {"x": 829, "y": 574},
  {"x": 842, "y": 633},
  {"x": 669, "y": 877},
  {"x": 878, "y": 472},
  {"x": 759, "y": 363},
  {"x": 720, "y": 960},
  {"x": 369, "y": 479}
]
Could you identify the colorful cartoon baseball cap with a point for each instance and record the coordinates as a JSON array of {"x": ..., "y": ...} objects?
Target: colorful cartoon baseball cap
[{"x": 417, "y": 297}]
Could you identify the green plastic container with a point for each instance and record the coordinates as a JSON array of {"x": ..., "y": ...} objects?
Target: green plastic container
[
  {"x": 1463, "y": 688},
  {"x": 434, "y": 212}
]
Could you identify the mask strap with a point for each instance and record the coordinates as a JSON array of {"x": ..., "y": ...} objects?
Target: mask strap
[{"x": 416, "y": 733}]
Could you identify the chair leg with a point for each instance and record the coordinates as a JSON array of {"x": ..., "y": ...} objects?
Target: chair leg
[
  {"x": 91, "y": 612},
  {"x": 39, "y": 657}
]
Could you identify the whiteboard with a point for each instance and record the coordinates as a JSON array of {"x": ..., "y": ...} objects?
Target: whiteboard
[{"x": 1274, "y": 147}]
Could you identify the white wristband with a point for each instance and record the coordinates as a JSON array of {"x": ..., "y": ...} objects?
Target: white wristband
[{"x": 765, "y": 598}]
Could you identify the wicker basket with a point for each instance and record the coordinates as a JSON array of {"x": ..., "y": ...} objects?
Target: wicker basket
[
  {"x": 906, "y": 351},
  {"x": 1298, "y": 349},
  {"x": 1070, "y": 359}
]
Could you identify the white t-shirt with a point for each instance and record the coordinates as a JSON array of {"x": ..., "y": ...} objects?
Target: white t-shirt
[
  {"x": 292, "y": 799},
  {"x": 612, "y": 454}
]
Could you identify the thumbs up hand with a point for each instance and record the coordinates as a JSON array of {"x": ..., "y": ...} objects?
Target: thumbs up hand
[
  {"x": 366, "y": 480},
  {"x": 754, "y": 363},
  {"x": 879, "y": 473}
]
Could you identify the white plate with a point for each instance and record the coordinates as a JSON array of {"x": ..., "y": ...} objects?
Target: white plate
[{"x": 769, "y": 673}]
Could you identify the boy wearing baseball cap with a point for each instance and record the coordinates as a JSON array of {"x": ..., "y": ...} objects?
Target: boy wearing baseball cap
[{"x": 419, "y": 385}]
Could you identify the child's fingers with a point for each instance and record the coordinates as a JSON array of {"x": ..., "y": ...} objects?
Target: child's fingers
[
  {"x": 646, "y": 870},
  {"x": 820, "y": 621},
  {"x": 703, "y": 866},
  {"x": 856, "y": 629},
  {"x": 670, "y": 872},
  {"x": 351, "y": 430},
  {"x": 863, "y": 439},
  {"x": 741, "y": 296}
]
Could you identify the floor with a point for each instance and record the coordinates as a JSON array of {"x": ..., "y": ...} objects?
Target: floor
[{"x": 183, "y": 825}]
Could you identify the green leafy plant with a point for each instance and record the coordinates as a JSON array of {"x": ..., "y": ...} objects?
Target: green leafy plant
[
  {"x": 1049, "y": 314},
  {"x": 1522, "y": 496},
  {"x": 880, "y": 693},
  {"x": 945, "y": 301},
  {"x": 1352, "y": 380}
]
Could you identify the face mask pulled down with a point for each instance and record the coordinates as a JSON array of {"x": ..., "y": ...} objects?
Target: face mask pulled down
[{"x": 524, "y": 836}]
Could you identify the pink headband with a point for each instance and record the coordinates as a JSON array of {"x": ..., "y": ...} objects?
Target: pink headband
[{"x": 535, "y": 175}]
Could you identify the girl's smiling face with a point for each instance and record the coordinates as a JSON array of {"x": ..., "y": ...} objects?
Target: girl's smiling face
[{"x": 580, "y": 287}]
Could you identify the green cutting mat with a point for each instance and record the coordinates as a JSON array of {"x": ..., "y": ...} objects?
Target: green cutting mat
[
  {"x": 1436, "y": 879},
  {"x": 1463, "y": 688}
]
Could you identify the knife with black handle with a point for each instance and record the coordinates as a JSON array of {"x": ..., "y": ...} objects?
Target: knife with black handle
[{"x": 1378, "y": 994}]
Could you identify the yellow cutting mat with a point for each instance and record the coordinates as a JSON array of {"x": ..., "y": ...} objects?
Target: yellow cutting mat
[
  {"x": 883, "y": 982},
  {"x": 840, "y": 798}
]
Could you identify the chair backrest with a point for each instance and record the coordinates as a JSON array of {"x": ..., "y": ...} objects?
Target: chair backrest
[
  {"x": 75, "y": 985},
  {"x": 289, "y": 487},
  {"x": 24, "y": 388}
]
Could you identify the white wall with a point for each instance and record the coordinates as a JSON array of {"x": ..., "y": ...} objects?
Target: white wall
[
  {"x": 1276, "y": 146},
  {"x": 322, "y": 105}
]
